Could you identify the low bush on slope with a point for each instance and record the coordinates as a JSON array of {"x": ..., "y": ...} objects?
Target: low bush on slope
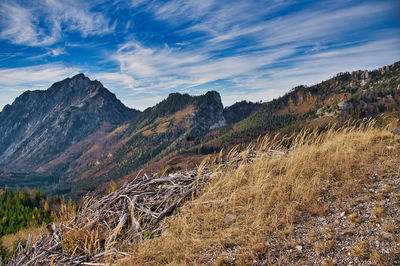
[{"x": 247, "y": 215}]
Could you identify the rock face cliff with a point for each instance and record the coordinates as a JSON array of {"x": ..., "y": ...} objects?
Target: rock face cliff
[
  {"x": 39, "y": 125},
  {"x": 207, "y": 111}
]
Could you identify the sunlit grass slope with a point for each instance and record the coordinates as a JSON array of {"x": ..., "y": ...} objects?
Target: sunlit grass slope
[{"x": 243, "y": 206}]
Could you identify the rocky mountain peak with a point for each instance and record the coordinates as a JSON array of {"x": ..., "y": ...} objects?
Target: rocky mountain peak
[
  {"x": 78, "y": 84},
  {"x": 210, "y": 111},
  {"x": 79, "y": 76},
  {"x": 214, "y": 95},
  {"x": 41, "y": 124}
]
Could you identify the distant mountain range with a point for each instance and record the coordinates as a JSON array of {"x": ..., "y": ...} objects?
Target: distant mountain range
[{"x": 76, "y": 136}]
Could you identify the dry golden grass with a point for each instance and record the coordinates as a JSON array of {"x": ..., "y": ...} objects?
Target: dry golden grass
[
  {"x": 242, "y": 208},
  {"x": 147, "y": 133},
  {"x": 323, "y": 246},
  {"x": 118, "y": 130},
  {"x": 360, "y": 250},
  {"x": 378, "y": 259},
  {"x": 161, "y": 128},
  {"x": 301, "y": 108},
  {"x": 9, "y": 241},
  {"x": 165, "y": 122},
  {"x": 178, "y": 116},
  {"x": 67, "y": 211},
  {"x": 390, "y": 225},
  {"x": 379, "y": 209}
]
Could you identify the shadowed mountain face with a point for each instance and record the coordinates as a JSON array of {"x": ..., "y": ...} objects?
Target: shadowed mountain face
[{"x": 39, "y": 125}]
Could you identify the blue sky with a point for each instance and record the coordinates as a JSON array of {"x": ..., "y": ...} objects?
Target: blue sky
[{"x": 144, "y": 50}]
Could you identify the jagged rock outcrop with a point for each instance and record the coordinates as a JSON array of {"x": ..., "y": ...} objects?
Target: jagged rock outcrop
[
  {"x": 210, "y": 111},
  {"x": 39, "y": 125},
  {"x": 207, "y": 113}
]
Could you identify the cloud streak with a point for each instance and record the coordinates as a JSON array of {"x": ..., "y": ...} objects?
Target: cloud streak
[
  {"x": 33, "y": 77},
  {"x": 255, "y": 55},
  {"x": 310, "y": 70},
  {"x": 20, "y": 27},
  {"x": 42, "y": 23}
]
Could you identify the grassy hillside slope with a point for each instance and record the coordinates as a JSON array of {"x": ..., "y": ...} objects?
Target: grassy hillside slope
[
  {"x": 322, "y": 196},
  {"x": 333, "y": 198}
]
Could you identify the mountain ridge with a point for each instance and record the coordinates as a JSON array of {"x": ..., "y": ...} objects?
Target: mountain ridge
[
  {"x": 354, "y": 95},
  {"x": 180, "y": 130}
]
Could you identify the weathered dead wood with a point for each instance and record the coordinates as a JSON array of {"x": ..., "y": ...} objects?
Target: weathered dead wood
[
  {"x": 42, "y": 254},
  {"x": 121, "y": 223},
  {"x": 171, "y": 208},
  {"x": 138, "y": 206},
  {"x": 121, "y": 218}
]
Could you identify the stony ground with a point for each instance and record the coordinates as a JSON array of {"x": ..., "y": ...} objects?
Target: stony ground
[{"x": 360, "y": 230}]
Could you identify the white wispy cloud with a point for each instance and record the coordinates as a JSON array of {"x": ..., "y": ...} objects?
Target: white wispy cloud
[
  {"x": 310, "y": 70},
  {"x": 75, "y": 15},
  {"x": 116, "y": 79},
  {"x": 20, "y": 26},
  {"x": 42, "y": 23},
  {"x": 257, "y": 56},
  {"x": 322, "y": 25},
  {"x": 182, "y": 9},
  {"x": 33, "y": 77},
  {"x": 57, "y": 51},
  {"x": 166, "y": 68}
]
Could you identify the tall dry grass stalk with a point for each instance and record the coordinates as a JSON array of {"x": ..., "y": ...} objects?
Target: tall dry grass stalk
[
  {"x": 68, "y": 210},
  {"x": 243, "y": 208}
]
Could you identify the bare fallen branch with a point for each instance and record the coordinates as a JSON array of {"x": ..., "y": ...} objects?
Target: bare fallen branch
[{"x": 121, "y": 218}]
